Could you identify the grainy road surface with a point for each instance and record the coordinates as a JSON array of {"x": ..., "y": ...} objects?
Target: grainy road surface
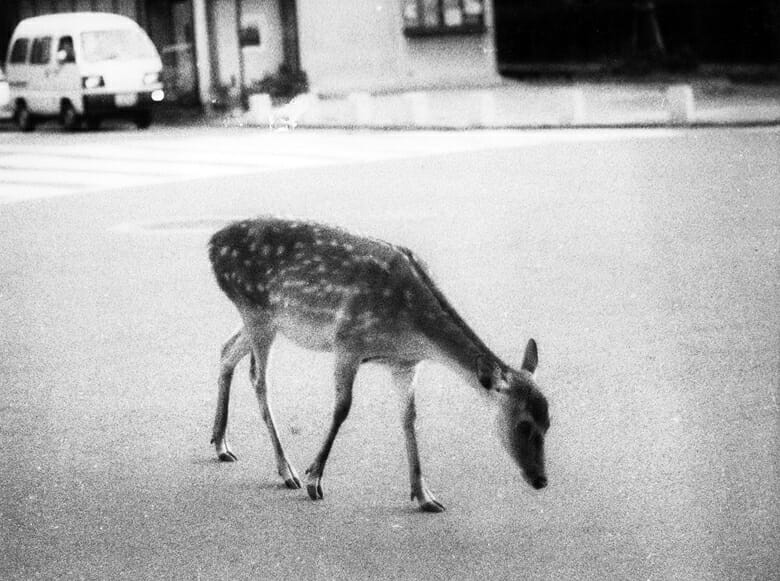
[{"x": 645, "y": 265}]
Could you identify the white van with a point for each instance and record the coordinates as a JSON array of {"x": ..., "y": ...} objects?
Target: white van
[{"x": 82, "y": 67}]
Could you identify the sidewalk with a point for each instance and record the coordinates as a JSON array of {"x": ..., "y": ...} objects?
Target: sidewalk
[{"x": 529, "y": 105}]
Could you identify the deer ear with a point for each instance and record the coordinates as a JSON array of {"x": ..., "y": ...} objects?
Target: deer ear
[
  {"x": 531, "y": 358},
  {"x": 484, "y": 372}
]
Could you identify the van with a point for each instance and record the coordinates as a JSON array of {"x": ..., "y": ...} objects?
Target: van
[
  {"x": 82, "y": 67},
  {"x": 5, "y": 97}
]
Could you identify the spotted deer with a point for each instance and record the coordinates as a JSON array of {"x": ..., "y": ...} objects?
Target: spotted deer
[{"x": 365, "y": 300}]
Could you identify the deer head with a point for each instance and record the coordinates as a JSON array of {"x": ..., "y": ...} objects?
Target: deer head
[{"x": 523, "y": 417}]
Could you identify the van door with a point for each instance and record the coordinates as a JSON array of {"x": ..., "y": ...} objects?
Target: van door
[
  {"x": 64, "y": 78},
  {"x": 39, "y": 97},
  {"x": 17, "y": 69}
]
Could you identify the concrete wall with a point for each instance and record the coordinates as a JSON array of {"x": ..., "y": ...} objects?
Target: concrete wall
[
  {"x": 361, "y": 45},
  {"x": 262, "y": 60},
  {"x": 224, "y": 42}
]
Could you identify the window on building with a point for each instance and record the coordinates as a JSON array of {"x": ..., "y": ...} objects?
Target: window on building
[
  {"x": 434, "y": 17},
  {"x": 41, "y": 51},
  {"x": 249, "y": 35},
  {"x": 19, "y": 51}
]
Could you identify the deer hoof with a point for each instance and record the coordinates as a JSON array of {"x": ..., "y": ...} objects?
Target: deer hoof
[
  {"x": 290, "y": 477},
  {"x": 432, "y": 506},
  {"x": 314, "y": 488},
  {"x": 223, "y": 452},
  {"x": 293, "y": 483},
  {"x": 427, "y": 500}
]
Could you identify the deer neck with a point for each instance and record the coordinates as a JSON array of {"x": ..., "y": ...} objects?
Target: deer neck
[
  {"x": 458, "y": 347},
  {"x": 456, "y": 342}
]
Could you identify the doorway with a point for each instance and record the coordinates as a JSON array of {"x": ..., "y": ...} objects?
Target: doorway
[{"x": 171, "y": 27}]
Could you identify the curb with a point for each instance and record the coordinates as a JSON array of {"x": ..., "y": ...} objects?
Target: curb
[{"x": 676, "y": 105}]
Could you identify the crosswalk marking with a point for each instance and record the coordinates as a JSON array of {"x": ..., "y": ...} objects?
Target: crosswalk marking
[
  {"x": 43, "y": 170},
  {"x": 114, "y": 161}
]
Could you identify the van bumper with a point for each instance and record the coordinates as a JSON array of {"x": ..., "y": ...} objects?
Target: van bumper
[{"x": 119, "y": 104}]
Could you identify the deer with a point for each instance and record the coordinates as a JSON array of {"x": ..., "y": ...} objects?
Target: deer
[{"x": 364, "y": 300}]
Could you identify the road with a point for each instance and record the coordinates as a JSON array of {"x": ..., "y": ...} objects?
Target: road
[{"x": 645, "y": 264}]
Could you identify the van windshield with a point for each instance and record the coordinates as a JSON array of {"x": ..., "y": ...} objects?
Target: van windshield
[{"x": 121, "y": 44}]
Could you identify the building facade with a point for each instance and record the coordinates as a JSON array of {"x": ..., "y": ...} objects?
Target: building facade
[
  {"x": 383, "y": 45},
  {"x": 220, "y": 49}
]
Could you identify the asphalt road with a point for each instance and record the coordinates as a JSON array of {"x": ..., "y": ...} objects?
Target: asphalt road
[{"x": 646, "y": 267}]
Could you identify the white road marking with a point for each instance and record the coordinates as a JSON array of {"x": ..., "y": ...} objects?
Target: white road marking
[{"x": 120, "y": 160}]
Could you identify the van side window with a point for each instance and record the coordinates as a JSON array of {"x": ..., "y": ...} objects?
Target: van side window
[
  {"x": 41, "y": 51},
  {"x": 19, "y": 51},
  {"x": 66, "y": 45}
]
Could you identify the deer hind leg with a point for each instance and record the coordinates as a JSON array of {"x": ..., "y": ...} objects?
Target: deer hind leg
[
  {"x": 233, "y": 351},
  {"x": 403, "y": 377},
  {"x": 261, "y": 345},
  {"x": 346, "y": 369}
]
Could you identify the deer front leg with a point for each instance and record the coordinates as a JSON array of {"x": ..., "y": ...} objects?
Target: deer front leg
[
  {"x": 233, "y": 351},
  {"x": 403, "y": 377},
  {"x": 346, "y": 369}
]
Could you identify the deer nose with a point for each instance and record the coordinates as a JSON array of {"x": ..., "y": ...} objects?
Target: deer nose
[{"x": 539, "y": 482}]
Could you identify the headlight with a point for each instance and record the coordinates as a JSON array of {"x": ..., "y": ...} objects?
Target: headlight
[
  {"x": 151, "y": 78},
  {"x": 92, "y": 82}
]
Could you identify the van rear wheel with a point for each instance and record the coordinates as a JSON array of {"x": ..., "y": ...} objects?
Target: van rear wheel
[
  {"x": 69, "y": 118},
  {"x": 23, "y": 118},
  {"x": 93, "y": 123}
]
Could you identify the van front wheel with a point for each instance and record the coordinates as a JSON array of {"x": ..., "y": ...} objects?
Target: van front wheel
[
  {"x": 143, "y": 119},
  {"x": 23, "y": 117},
  {"x": 69, "y": 118}
]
